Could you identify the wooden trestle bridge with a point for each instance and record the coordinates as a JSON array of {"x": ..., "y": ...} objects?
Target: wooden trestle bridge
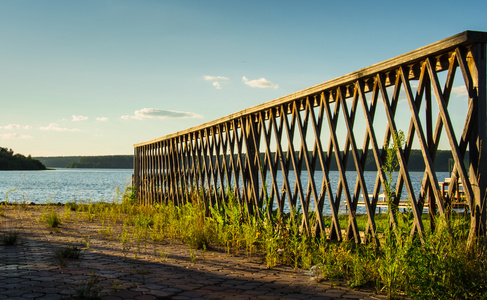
[{"x": 263, "y": 153}]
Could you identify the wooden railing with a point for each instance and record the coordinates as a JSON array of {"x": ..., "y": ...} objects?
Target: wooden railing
[{"x": 279, "y": 154}]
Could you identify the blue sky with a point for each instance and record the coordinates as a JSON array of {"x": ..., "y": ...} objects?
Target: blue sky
[{"x": 96, "y": 77}]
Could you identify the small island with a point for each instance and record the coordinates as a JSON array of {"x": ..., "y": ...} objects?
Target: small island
[{"x": 11, "y": 161}]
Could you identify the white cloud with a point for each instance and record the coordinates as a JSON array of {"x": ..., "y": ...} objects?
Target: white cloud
[
  {"x": 15, "y": 126},
  {"x": 79, "y": 118},
  {"x": 152, "y": 113},
  {"x": 55, "y": 127},
  {"x": 216, "y": 80},
  {"x": 9, "y": 136},
  {"x": 460, "y": 91},
  {"x": 213, "y": 78},
  {"x": 260, "y": 83},
  {"x": 102, "y": 119}
]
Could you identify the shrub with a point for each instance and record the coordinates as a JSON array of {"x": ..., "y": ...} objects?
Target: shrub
[{"x": 52, "y": 218}]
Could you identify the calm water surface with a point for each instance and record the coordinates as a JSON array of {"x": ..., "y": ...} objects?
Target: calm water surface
[
  {"x": 84, "y": 185},
  {"x": 369, "y": 176},
  {"x": 64, "y": 185}
]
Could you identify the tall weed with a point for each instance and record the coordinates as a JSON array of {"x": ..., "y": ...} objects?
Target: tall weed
[
  {"x": 439, "y": 266},
  {"x": 195, "y": 230}
]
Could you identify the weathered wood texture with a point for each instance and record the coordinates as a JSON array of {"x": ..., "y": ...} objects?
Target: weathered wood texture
[{"x": 263, "y": 153}]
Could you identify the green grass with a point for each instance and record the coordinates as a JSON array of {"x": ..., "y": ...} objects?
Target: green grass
[
  {"x": 439, "y": 265},
  {"x": 89, "y": 289},
  {"x": 10, "y": 238},
  {"x": 64, "y": 254},
  {"x": 406, "y": 266},
  {"x": 52, "y": 219},
  {"x": 443, "y": 266},
  {"x": 69, "y": 252}
]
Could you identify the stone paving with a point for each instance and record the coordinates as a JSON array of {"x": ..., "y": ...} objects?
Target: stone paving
[{"x": 109, "y": 270}]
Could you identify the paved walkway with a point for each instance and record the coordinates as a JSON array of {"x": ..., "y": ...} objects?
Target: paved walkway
[{"x": 106, "y": 269}]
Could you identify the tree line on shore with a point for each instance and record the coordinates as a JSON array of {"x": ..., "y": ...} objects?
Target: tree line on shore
[
  {"x": 16, "y": 161},
  {"x": 415, "y": 162},
  {"x": 97, "y": 162},
  {"x": 442, "y": 161}
]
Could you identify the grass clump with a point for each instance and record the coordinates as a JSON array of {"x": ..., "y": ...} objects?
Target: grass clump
[
  {"x": 69, "y": 252},
  {"x": 52, "y": 218},
  {"x": 198, "y": 233},
  {"x": 89, "y": 289},
  {"x": 63, "y": 254},
  {"x": 10, "y": 238}
]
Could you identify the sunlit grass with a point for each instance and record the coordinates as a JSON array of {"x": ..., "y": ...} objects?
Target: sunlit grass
[
  {"x": 52, "y": 218},
  {"x": 443, "y": 266}
]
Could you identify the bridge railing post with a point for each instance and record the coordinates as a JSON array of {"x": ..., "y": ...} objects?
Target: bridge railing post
[
  {"x": 478, "y": 140},
  {"x": 251, "y": 180}
]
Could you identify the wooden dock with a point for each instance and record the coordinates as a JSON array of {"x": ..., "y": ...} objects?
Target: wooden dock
[
  {"x": 405, "y": 204},
  {"x": 458, "y": 196}
]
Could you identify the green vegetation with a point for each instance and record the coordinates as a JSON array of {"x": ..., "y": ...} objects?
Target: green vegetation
[
  {"x": 11, "y": 161},
  {"x": 63, "y": 254},
  {"x": 441, "y": 266},
  {"x": 416, "y": 161},
  {"x": 438, "y": 265},
  {"x": 10, "y": 238},
  {"x": 114, "y": 161},
  {"x": 107, "y": 161},
  {"x": 57, "y": 161},
  {"x": 52, "y": 218},
  {"x": 89, "y": 289},
  {"x": 69, "y": 252}
]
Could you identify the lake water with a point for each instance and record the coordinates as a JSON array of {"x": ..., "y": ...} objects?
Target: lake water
[
  {"x": 370, "y": 178},
  {"x": 64, "y": 185},
  {"x": 84, "y": 185}
]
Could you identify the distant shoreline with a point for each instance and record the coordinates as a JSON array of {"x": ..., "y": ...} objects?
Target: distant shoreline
[
  {"x": 416, "y": 161},
  {"x": 91, "y": 162}
]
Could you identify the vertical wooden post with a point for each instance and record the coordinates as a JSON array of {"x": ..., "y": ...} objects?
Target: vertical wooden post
[
  {"x": 149, "y": 174},
  {"x": 251, "y": 169},
  {"x": 144, "y": 173},
  {"x": 135, "y": 176},
  {"x": 160, "y": 172},
  {"x": 478, "y": 141},
  {"x": 430, "y": 143},
  {"x": 152, "y": 173},
  {"x": 141, "y": 174}
]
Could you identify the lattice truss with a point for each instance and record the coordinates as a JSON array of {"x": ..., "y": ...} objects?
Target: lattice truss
[{"x": 281, "y": 155}]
